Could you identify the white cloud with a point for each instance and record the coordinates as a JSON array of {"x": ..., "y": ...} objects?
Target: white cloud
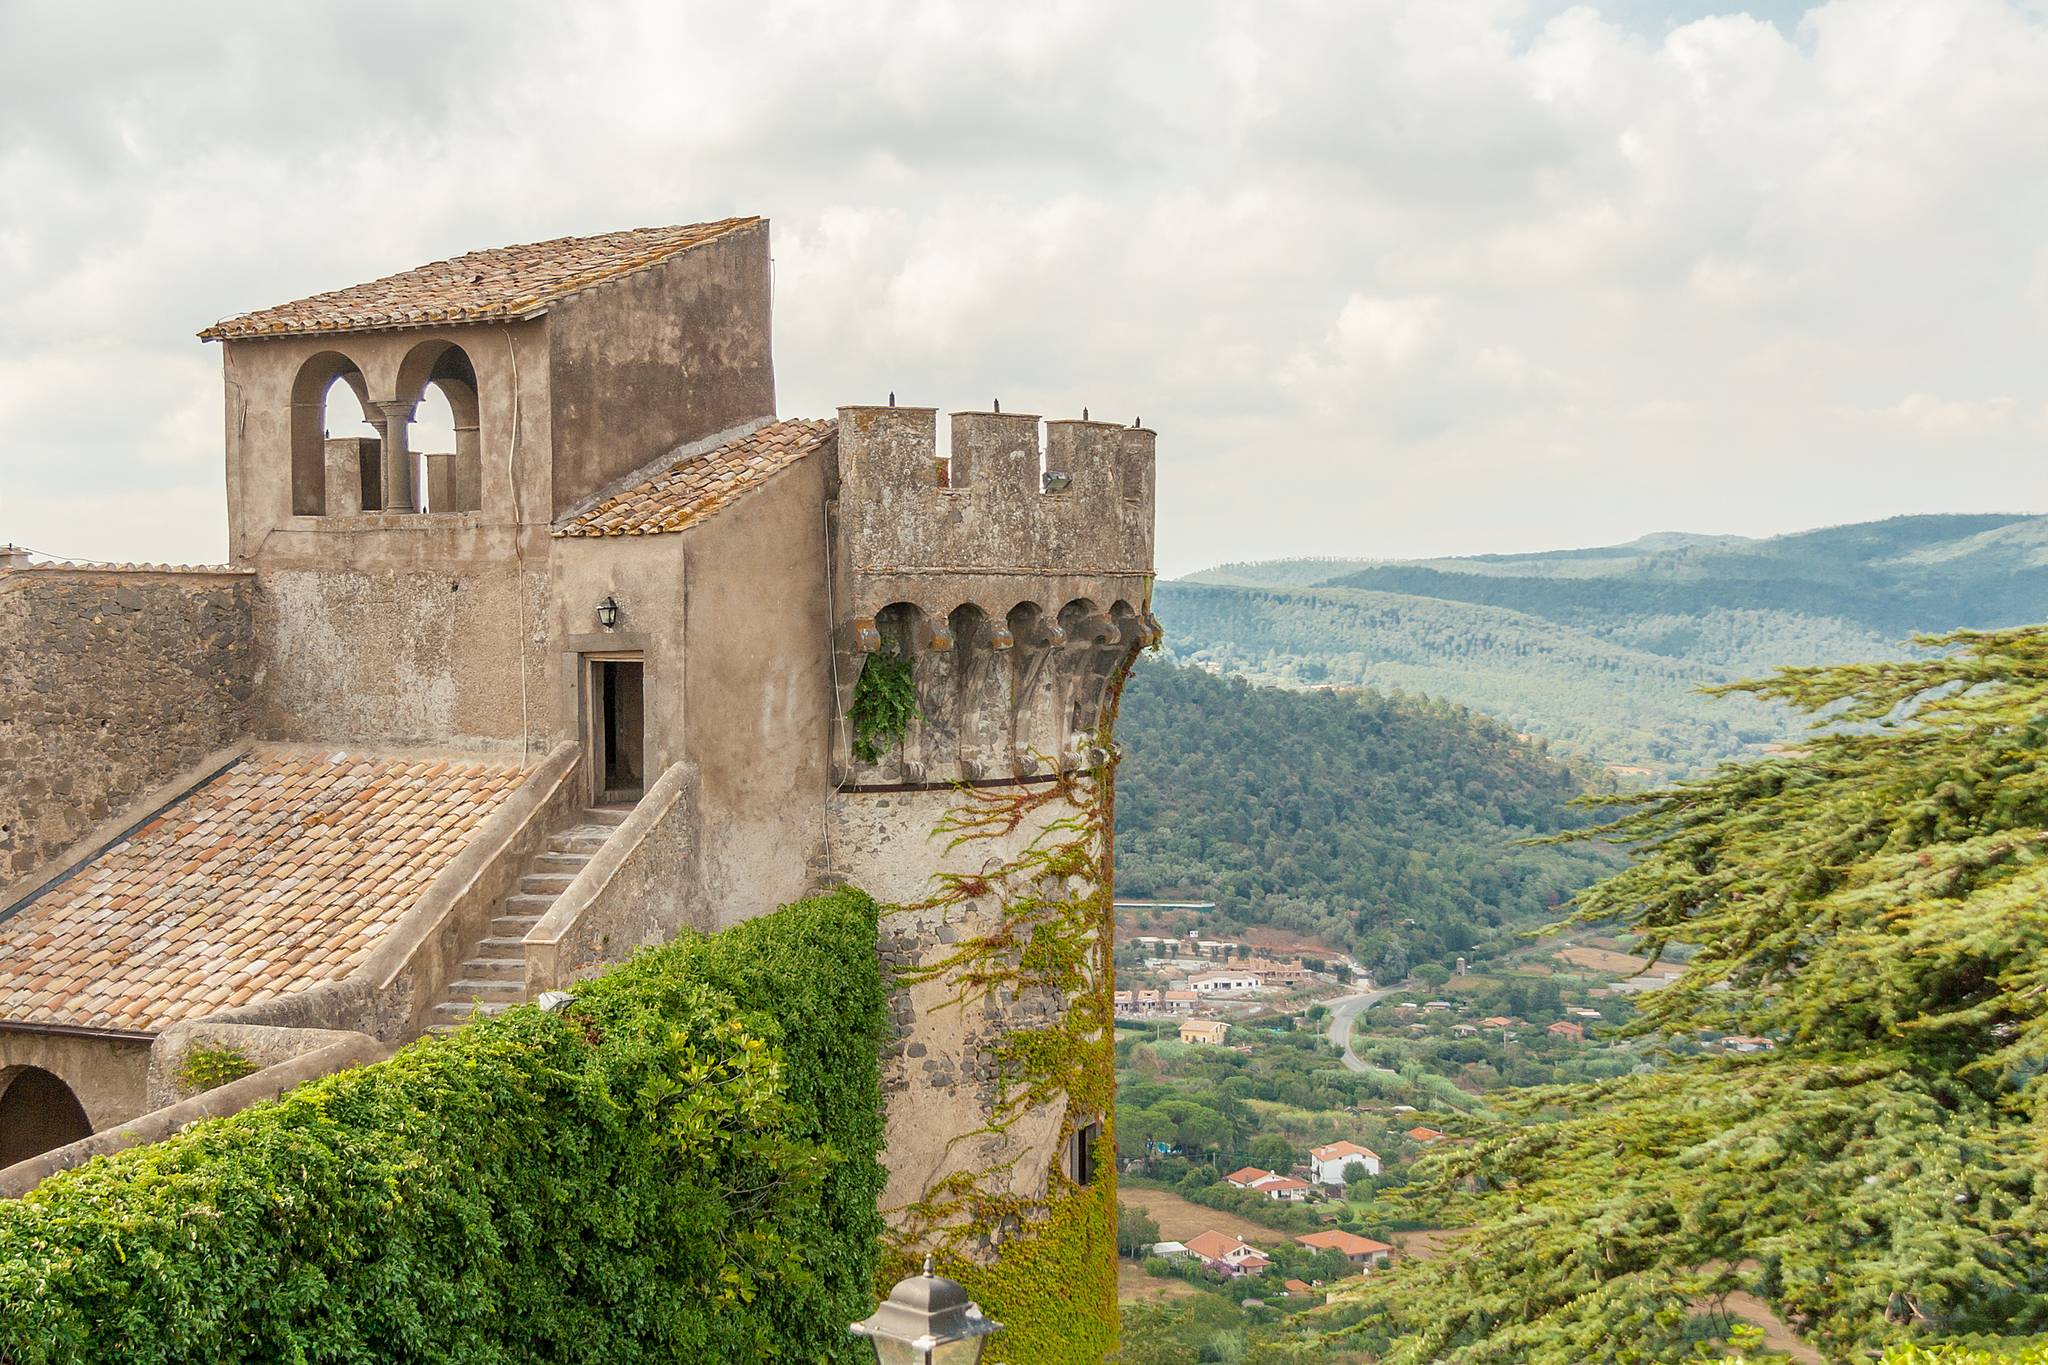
[{"x": 1390, "y": 278}]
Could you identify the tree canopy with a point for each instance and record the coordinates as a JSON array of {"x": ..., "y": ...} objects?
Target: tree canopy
[{"x": 1875, "y": 903}]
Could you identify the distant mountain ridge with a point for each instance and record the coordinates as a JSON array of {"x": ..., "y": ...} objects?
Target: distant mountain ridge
[{"x": 1603, "y": 649}]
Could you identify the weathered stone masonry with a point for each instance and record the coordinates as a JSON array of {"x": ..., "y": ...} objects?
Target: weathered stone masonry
[{"x": 112, "y": 681}]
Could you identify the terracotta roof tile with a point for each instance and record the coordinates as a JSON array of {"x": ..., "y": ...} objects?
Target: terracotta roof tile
[
  {"x": 697, "y": 487},
  {"x": 481, "y": 286},
  {"x": 215, "y": 900}
]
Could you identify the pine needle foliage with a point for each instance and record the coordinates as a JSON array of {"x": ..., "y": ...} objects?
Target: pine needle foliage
[{"x": 1876, "y": 903}]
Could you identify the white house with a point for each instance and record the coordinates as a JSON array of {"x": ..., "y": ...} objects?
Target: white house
[
  {"x": 1329, "y": 1162},
  {"x": 1223, "y": 983}
]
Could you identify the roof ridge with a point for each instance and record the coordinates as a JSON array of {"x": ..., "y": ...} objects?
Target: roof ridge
[{"x": 509, "y": 283}]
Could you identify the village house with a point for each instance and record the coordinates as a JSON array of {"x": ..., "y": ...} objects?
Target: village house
[
  {"x": 453, "y": 729},
  {"x": 1363, "y": 1252},
  {"x": 1279, "y": 975},
  {"x": 1500, "y": 1021},
  {"x": 1223, "y": 983},
  {"x": 1207, "y": 1032},
  {"x": 1567, "y": 1030},
  {"x": 1327, "y": 1162},
  {"x": 1248, "y": 1176},
  {"x": 1227, "y": 1256},
  {"x": 1425, "y": 1135},
  {"x": 1179, "y": 1002}
]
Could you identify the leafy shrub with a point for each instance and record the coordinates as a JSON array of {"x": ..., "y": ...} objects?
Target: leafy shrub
[
  {"x": 207, "y": 1068},
  {"x": 680, "y": 1167},
  {"x": 884, "y": 704}
]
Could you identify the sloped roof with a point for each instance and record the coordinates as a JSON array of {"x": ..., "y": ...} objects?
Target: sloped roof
[
  {"x": 1350, "y": 1243},
  {"x": 480, "y": 286},
  {"x": 698, "y": 486},
  {"x": 1341, "y": 1148},
  {"x": 280, "y": 873},
  {"x": 1214, "y": 1246},
  {"x": 1248, "y": 1175}
]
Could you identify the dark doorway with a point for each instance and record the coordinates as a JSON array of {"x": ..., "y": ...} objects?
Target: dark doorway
[
  {"x": 621, "y": 730},
  {"x": 38, "y": 1112}
]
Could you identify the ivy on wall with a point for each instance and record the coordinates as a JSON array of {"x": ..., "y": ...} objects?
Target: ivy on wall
[
  {"x": 884, "y": 704},
  {"x": 1045, "y": 1268},
  {"x": 680, "y": 1167}
]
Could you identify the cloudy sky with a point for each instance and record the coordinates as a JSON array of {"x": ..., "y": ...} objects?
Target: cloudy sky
[{"x": 1390, "y": 277}]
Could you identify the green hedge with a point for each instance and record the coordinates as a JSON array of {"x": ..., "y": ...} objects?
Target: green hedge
[{"x": 682, "y": 1167}]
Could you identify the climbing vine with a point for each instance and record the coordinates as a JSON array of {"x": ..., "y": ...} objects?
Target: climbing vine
[
  {"x": 1045, "y": 1267},
  {"x": 884, "y": 704}
]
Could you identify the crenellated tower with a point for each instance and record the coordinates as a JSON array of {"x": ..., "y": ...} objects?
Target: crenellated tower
[{"x": 1014, "y": 573}]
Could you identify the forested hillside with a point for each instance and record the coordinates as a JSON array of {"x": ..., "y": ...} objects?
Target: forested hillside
[
  {"x": 1386, "y": 825},
  {"x": 1603, "y": 650}
]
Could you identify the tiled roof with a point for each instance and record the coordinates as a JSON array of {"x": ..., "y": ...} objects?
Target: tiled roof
[
  {"x": 278, "y": 874},
  {"x": 1214, "y": 1246},
  {"x": 481, "y": 286},
  {"x": 696, "y": 487},
  {"x": 1342, "y": 1148},
  {"x": 1351, "y": 1244}
]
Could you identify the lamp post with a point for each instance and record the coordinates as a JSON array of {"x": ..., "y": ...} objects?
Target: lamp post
[{"x": 927, "y": 1320}]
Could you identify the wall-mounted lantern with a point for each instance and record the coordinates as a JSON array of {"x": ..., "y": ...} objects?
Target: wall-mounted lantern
[
  {"x": 608, "y": 613},
  {"x": 927, "y": 1320}
]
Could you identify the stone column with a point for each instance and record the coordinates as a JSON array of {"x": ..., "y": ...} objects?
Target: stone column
[{"x": 398, "y": 480}]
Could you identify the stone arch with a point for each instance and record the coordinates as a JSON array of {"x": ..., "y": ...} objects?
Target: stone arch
[
  {"x": 1082, "y": 668},
  {"x": 449, "y": 480},
  {"x": 38, "y": 1112},
  {"x": 310, "y": 388},
  {"x": 981, "y": 691},
  {"x": 1036, "y": 732}
]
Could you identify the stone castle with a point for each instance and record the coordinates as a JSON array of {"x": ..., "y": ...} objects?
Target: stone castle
[{"x": 453, "y": 728}]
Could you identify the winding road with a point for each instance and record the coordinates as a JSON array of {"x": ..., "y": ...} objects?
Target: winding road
[{"x": 1343, "y": 1010}]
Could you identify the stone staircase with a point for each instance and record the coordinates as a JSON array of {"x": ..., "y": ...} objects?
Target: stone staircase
[{"x": 493, "y": 977}]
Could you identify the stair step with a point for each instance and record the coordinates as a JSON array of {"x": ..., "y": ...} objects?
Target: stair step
[
  {"x": 552, "y": 864},
  {"x": 494, "y": 969},
  {"x": 476, "y": 988},
  {"x": 449, "y": 1012},
  {"x": 500, "y": 945},
  {"x": 606, "y": 815},
  {"x": 519, "y": 903},
  {"x": 585, "y": 839},
  {"x": 513, "y": 926},
  {"x": 549, "y": 884}
]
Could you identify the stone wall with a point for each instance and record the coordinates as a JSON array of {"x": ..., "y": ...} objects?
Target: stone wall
[{"x": 111, "y": 682}]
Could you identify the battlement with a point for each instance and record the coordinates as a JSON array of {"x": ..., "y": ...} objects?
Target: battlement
[
  {"x": 1014, "y": 571},
  {"x": 1077, "y": 503}
]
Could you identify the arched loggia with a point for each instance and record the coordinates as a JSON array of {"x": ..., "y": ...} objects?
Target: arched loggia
[
  {"x": 317, "y": 412},
  {"x": 445, "y": 458}
]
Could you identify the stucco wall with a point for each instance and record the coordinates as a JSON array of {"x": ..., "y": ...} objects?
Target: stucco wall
[
  {"x": 939, "y": 1080},
  {"x": 110, "y": 1076},
  {"x": 111, "y": 682},
  {"x": 758, "y": 681},
  {"x": 399, "y": 648},
  {"x": 644, "y": 576},
  {"x": 659, "y": 358}
]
